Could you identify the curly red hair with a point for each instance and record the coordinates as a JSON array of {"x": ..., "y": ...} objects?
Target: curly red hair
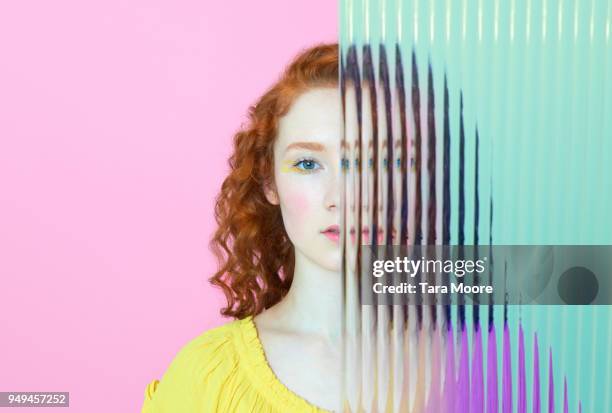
[{"x": 256, "y": 258}]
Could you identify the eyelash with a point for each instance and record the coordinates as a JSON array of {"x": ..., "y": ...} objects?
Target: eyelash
[{"x": 302, "y": 170}]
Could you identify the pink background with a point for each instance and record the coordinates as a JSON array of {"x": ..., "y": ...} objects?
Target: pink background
[{"x": 115, "y": 126}]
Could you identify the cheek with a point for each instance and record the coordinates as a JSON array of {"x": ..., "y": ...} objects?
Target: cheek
[
  {"x": 298, "y": 208},
  {"x": 297, "y": 204}
]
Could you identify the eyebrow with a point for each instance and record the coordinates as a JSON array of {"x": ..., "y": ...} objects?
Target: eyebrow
[{"x": 313, "y": 146}]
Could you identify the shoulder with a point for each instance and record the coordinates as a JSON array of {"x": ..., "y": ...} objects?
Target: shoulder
[
  {"x": 196, "y": 371},
  {"x": 207, "y": 344},
  {"x": 215, "y": 345}
]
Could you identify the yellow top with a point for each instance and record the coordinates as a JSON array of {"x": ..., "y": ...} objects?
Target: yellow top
[{"x": 223, "y": 370}]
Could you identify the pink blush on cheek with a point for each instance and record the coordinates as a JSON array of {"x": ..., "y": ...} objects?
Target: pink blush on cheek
[{"x": 298, "y": 203}]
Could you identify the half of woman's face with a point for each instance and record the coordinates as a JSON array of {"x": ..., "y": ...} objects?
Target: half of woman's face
[{"x": 307, "y": 175}]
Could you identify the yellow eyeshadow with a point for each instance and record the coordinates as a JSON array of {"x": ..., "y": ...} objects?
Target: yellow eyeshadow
[{"x": 288, "y": 166}]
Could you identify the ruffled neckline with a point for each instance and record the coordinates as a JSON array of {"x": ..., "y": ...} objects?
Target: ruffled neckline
[{"x": 261, "y": 373}]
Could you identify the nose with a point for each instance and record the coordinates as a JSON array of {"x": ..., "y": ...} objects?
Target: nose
[{"x": 332, "y": 192}]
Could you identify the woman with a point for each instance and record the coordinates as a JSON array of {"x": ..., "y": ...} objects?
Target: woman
[{"x": 278, "y": 248}]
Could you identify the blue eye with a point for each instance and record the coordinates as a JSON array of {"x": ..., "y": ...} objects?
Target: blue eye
[{"x": 307, "y": 165}]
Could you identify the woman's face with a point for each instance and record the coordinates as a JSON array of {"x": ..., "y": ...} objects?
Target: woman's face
[{"x": 307, "y": 175}]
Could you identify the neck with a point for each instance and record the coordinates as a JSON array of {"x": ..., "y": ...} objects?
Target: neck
[{"x": 314, "y": 302}]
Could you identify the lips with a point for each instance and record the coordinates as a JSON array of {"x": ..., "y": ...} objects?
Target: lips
[{"x": 332, "y": 233}]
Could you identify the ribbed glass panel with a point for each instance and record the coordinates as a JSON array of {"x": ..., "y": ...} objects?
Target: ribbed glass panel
[{"x": 480, "y": 122}]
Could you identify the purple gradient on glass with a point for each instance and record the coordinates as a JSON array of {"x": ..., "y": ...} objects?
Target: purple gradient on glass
[
  {"x": 463, "y": 385},
  {"x": 457, "y": 377},
  {"x": 551, "y": 384},
  {"x": 536, "y": 376},
  {"x": 492, "y": 396},
  {"x": 477, "y": 393},
  {"x": 522, "y": 392},
  {"x": 449, "y": 374},
  {"x": 507, "y": 373}
]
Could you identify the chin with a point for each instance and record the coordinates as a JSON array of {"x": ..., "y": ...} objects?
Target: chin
[
  {"x": 331, "y": 264},
  {"x": 326, "y": 260},
  {"x": 332, "y": 267}
]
